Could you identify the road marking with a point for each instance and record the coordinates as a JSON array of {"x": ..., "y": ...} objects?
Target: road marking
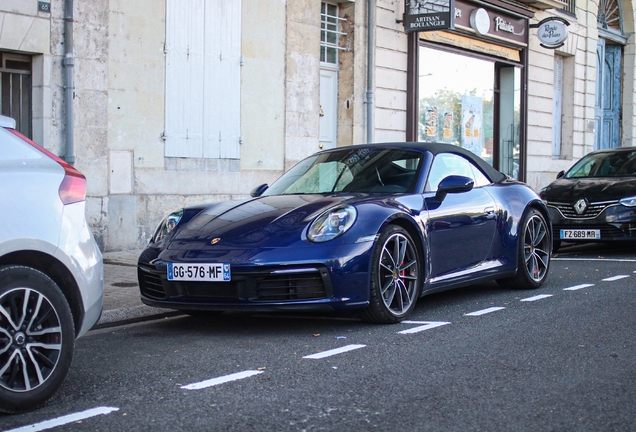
[
  {"x": 60, "y": 421},
  {"x": 537, "y": 297},
  {"x": 594, "y": 259},
  {"x": 613, "y": 278},
  {"x": 221, "y": 380},
  {"x": 485, "y": 311},
  {"x": 427, "y": 325},
  {"x": 578, "y": 287},
  {"x": 334, "y": 351}
]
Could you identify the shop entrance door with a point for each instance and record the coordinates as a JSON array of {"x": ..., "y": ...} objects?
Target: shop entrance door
[{"x": 608, "y": 96}]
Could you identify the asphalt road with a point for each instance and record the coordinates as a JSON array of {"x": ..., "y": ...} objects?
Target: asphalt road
[{"x": 560, "y": 358}]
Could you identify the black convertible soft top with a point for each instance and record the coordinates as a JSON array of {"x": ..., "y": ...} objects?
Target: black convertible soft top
[{"x": 436, "y": 148}]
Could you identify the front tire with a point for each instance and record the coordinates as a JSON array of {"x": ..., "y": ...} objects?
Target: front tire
[
  {"x": 395, "y": 277},
  {"x": 533, "y": 256},
  {"x": 37, "y": 338}
]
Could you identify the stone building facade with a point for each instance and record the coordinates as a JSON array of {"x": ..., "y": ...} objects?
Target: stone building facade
[{"x": 168, "y": 103}]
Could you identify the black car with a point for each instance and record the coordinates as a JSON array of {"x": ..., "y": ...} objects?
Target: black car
[{"x": 595, "y": 200}]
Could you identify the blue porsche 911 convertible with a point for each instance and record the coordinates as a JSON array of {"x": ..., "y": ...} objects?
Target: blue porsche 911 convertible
[{"x": 369, "y": 228}]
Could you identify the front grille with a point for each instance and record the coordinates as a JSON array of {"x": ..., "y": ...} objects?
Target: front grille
[
  {"x": 592, "y": 210},
  {"x": 277, "y": 284},
  {"x": 290, "y": 287},
  {"x": 150, "y": 283}
]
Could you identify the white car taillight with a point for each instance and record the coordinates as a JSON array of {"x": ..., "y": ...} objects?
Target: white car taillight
[{"x": 73, "y": 186}]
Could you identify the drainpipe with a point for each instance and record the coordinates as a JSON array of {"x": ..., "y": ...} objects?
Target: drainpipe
[
  {"x": 68, "y": 63},
  {"x": 370, "y": 66}
]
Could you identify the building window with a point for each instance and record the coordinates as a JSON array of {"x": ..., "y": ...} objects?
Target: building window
[
  {"x": 15, "y": 90},
  {"x": 453, "y": 109},
  {"x": 203, "y": 74},
  {"x": 570, "y": 7},
  {"x": 329, "y": 33}
]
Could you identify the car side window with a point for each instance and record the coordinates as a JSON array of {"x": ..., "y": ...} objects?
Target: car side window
[{"x": 446, "y": 164}]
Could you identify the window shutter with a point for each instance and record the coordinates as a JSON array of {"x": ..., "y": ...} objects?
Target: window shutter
[
  {"x": 203, "y": 78},
  {"x": 557, "y": 106}
]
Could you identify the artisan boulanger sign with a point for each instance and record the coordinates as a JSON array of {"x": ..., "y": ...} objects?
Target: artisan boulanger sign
[{"x": 424, "y": 15}]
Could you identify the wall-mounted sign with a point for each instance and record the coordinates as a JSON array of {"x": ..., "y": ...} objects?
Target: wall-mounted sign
[
  {"x": 552, "y": 32},
  {"x": 425, "y": 15},
  {"x": 489, "y": 23},
  {"x": 480, "y": 21},
  {"x": 44, "y": 6}
]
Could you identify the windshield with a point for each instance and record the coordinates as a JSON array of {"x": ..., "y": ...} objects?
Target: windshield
[
  {"x": 358, "y": 170},
  {"x": 605, "y": 164}
]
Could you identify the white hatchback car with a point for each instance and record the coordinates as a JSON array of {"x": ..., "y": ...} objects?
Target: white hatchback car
[{"x": 51, "y": 270}]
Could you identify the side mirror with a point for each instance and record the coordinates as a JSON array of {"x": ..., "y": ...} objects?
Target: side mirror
[
  {"x": 560, "y": 174},
  {"x": 453, "y": 184},
  {"x": 258, "y": 190}
]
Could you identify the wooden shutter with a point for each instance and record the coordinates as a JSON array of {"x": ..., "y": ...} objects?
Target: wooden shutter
[
  {"x": 557, "y": 107},
  {"x": 203, "y": 78}
]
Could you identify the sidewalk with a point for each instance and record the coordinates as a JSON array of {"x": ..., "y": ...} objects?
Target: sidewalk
[{"x": 122, "y": 302}]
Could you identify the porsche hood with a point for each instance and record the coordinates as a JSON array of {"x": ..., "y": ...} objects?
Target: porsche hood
[{"x": 254, "y": 222}]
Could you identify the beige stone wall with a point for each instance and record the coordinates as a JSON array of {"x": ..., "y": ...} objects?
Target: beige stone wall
[
  {"x": 390, "y": 73},
  {"x": 24, "y": 29},
  {"x": 302, "y": 80},
  {"x": 579, "y": 79},
  {"x": 579, "y": 92}
]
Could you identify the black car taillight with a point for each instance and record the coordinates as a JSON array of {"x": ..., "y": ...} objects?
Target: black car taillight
[{"x": 73, "y": 186}]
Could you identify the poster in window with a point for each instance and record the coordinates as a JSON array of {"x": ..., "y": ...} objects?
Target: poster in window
[
  {"x": 472, "y": 123},
  {"x": 448, "y": 125},
  {"x": 431, "y": 122}
]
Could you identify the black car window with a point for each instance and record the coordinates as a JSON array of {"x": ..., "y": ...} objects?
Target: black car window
[
  {"x": 605, "y": 164},
  {"x": 352, "y": 170},
  {"x": 446, "y": 164}
]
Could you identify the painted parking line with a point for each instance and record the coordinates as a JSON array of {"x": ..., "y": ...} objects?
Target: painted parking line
[
  {"x": 60, "y": 421},
  {"x": 615, "y": 278},
  {"x": 594, "y": 259},
  {"x": 334, "y": 351},
  {"x": 221, "y": 380},
  {"x": 485, "y": 311},
  {"x": 537, "y": 297},
  {"x": 578, "y": 287},
  {"x": 426, "y": 325}
]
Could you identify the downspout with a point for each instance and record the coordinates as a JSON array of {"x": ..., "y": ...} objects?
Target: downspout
[
  {"x": 370, "y": 67},
  {"x": 68, "y": 63}
]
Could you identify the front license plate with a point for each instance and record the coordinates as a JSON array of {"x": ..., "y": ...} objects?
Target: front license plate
[
  {"x": 580, "y": 234},
  {"x": 215, "y": 272}
]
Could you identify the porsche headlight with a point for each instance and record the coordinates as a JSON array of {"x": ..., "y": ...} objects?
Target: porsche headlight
[
  {"x": 629, "y": 201},
  {"x": 331, "y": 224},
  {"x": 167, "y": 225}
]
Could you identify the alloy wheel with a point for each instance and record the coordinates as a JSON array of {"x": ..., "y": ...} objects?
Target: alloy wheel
[
  {"x": 30, "y": 339},
  {"x": 398, "y": 274},
  {"x": 536, "y": 248}
]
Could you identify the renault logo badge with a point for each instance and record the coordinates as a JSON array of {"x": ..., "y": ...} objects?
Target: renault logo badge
[
  {"x": 580, "y": 206},
  {"x": 215, "y": 240}
]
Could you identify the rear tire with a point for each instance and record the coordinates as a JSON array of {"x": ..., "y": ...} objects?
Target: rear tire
[
  {"x": 395, "y": 277},
  {"x": 37, "y": 338},
  {"x": 533, "y": 255}
]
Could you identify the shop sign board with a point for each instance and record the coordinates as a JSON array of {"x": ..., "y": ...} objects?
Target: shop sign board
[
  {"x": 427, "y": 15},
  {"x": 491, "y": 23},
  {"x": 489, "y": 48},
  {"x": 552, "y": 32}
]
